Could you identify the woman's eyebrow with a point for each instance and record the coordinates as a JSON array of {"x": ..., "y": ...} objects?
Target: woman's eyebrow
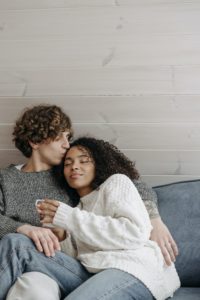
[
  {"x": 83, "y": 155},
  {"x": 79, "y": 156}
]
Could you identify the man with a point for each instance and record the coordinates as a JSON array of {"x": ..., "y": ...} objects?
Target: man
[{"x": 42, "y": 134}]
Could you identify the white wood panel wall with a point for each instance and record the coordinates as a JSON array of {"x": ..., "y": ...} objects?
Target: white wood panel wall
[{"x": 125, "y": 70}]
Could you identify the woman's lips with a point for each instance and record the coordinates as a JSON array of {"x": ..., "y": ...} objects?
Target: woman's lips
[{"x": 75, "y": 176}]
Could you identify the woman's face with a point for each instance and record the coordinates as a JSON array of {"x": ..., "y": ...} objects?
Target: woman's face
[{"x": 79, "y": 170}]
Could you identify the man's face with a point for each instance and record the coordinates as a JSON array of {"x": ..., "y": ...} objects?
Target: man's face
[{"x": 51, "y": 152}]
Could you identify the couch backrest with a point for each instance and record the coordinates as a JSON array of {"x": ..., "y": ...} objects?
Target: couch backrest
[{"x": 179, "y": 206}]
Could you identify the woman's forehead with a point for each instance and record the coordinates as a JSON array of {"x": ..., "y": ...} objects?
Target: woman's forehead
[{"x": 77, "y": 150}]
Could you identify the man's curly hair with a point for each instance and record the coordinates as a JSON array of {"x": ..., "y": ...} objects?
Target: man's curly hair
[
  {"x": 38, "y": 124},
  {"x": 108, "y": 160}
]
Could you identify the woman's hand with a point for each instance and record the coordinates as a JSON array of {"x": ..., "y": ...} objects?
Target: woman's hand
[{"x": 47, "y": 210}]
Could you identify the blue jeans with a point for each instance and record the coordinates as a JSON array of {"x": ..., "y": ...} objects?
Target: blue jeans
[{"x": 19, "y": 255}]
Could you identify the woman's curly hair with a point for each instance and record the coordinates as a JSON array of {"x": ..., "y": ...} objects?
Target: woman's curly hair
[
  {"x": 108, "y": 160},
  {"x": 38, "y": 124}
]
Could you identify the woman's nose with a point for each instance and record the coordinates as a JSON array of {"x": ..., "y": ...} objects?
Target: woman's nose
[{"x": 75, "y": 166}]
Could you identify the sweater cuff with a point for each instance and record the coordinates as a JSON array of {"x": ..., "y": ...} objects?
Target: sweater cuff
[{"x": 63, "y": 215}]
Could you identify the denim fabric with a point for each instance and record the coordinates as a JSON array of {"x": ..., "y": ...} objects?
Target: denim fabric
[
  {"x": 179, "y": 206},
  {"x": 111, "y": 284},
  {"x": 19, "y": 255}
]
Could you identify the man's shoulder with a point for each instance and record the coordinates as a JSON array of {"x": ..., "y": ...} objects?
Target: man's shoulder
[
  {"x": 8, "y": 170},
  {"x": 140, "y": 184}
]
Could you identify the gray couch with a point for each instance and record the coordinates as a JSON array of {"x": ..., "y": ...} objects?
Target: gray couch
[{"x": 179, "y": 206}]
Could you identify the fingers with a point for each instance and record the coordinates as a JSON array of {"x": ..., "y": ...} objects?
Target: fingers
[
  {"x": 168, "y": 253},
  {"x": 48, "y": 207},
  {"x": 44, "y": 240},
  {"x": 47, "y": 220},
  {"x": 168, "y": 248},
  {"x": 46, "y": 212},
  {"x": 36, "y": 241},
  {"x": 173, "y": 246},
  {"x": 161, "y": 235},
  {"x": 52, "y": 203}
]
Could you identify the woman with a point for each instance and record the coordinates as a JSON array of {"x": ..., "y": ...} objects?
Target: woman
[{"x": 110, "y": 227}]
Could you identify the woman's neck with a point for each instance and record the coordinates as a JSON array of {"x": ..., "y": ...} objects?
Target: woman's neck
[{"x": 84, "y": 191}]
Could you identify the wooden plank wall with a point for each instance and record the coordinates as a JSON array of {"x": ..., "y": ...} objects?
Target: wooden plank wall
[{"x": 125, "y": 70}]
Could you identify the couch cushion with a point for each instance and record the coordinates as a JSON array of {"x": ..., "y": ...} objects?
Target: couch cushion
[
  {"x": 187, "y": 294},
  {"x": 179, "y": 207}
]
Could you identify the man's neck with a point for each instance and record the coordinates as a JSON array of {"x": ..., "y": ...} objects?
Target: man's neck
[{"x": 33, "y": 166}]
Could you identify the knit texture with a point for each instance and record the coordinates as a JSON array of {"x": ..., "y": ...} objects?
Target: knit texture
[
  {"x": 149, "y": 197},
  {"x": 111, "y": 229},
  {"x": 18, "y": 192}
]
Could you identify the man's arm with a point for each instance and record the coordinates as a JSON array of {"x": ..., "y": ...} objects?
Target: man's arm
[
  {"x": 7, "y": 224},
  {"x": 149, "y": 197},
  {"x": 160, "y": 232},
  {"x": 44, "y": 239}
]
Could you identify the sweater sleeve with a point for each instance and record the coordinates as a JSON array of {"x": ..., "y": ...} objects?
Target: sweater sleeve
[
  {"x": 7, "y": 224},
  {"x": 124, "y": 225},
  {"x": 149, "y": 197}
]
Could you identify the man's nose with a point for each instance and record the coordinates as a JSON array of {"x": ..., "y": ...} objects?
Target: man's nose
[{"x": 66, "y": 144}]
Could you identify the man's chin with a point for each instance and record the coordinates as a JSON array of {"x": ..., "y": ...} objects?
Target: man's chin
[{"x": 56, "y": 163}]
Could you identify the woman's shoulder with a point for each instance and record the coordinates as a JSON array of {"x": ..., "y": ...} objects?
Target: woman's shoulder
[
  {"x": 118, "y": 179},
  {"x": 120, "y": 189}
]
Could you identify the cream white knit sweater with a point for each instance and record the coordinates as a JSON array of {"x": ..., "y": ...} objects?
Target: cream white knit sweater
[{"x": 110, "y": 228}]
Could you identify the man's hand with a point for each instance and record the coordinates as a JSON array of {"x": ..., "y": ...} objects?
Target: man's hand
[
  {"x": 162, "y": 236},
  {"x": 44, "y": 239}
]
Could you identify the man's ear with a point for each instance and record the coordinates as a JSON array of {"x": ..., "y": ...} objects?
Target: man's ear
[{"x": 33, "y": 145}]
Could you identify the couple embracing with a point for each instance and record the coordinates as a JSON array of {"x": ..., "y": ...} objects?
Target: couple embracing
[{"x": 102, "y": 244}]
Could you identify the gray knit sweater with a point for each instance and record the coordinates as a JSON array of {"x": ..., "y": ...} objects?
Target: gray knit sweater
[
  {"x": 19, "y": 190},
  {"x": 149, "y": 197}
]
